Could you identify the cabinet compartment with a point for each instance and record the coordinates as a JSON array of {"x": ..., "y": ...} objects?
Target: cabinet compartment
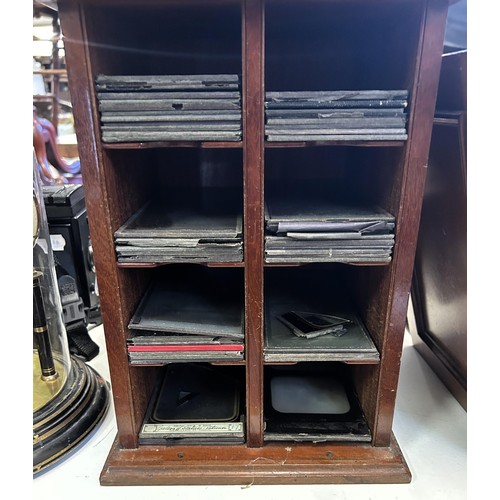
[
  {"x": 312, "y": 402},
  {"x": 177, "y": 38},
  {"x": 340, "y": 45},
  {"x": 331, "y": 204},
  {"x": 195, "y": 193},
  {"x": 344, "y": 173},
  {"x": 339, "y": 71},
  {"x": 166, "y": 73},
  {"x": 320, "y": 292},
  {"x": 189, "y": 313},
  {"x": 196, "y": 404}
]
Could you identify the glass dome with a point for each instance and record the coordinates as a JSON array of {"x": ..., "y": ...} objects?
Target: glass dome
[
  {"x": 51, "y": 357},
  {"x": 69, "y": 397}
]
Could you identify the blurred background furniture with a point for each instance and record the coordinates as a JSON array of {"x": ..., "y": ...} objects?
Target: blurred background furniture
[
  {"x": 51, "y": 95},
  {"x": 438, "y": 315}
]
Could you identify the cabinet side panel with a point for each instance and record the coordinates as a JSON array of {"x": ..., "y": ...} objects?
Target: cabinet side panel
[
  {"x": 424, "y": 94},
  {"x": 98, "y": 210}
]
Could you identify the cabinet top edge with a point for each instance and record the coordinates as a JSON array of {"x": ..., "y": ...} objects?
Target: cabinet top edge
[{"x": 53, "y": 4}]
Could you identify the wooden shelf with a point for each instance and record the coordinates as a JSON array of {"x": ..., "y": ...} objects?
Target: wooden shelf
[
  {"x": 173, "y": 144},
  {"x": 298, "y": 264},
  {"x": 214, "y": 363},
  {"x": 153, "y": 265},
  {"x": 362, "y": 144}
]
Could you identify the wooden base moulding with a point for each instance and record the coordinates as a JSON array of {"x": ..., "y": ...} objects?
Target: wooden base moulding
[{"x": 321, "y": 463}]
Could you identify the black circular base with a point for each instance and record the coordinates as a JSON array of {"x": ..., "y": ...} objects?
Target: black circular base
[{"x": 64, "y": 422}]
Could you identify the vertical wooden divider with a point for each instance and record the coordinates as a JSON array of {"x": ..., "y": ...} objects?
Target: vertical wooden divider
[{"x": 253, "y": 187}]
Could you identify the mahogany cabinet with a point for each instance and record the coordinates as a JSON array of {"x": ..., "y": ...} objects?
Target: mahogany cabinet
[{"x": 274, "y": 45}]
